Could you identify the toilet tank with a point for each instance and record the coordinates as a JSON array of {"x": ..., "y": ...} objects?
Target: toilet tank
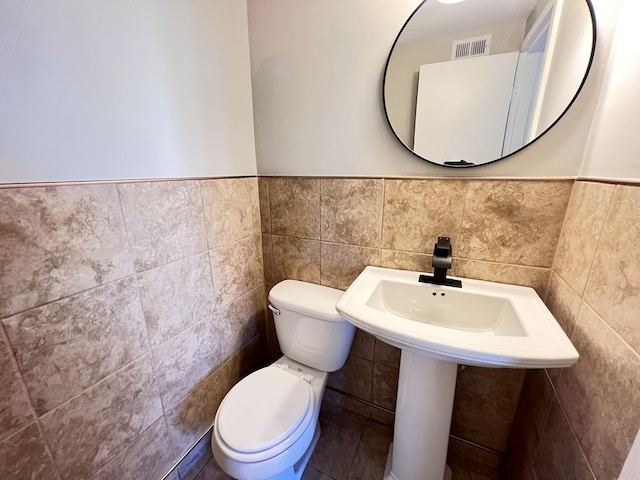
[{"x": 309, "y": 328}]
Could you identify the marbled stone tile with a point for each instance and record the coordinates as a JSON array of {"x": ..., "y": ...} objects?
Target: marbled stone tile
[
  {"x": 165, "y": 221},
  {"x": 89, "y": 430},
  {"x": 560, "y": 455},
  {"x": 340, "y": 265},
  {"x": 534, "y": 277},
  {"x": 195, "y": 414},
  {"x": 371, "y": 455},
  {"x": 385, "y": 386},
  {"x": 363, "y": 345},
  {"x": 57, "y": 241},
  {"x": 267, "y": 256},
  {"x": 355, "y": 378},
  {"x": 231, "y": 209},
  {"x": 337, "y": 446},
  {"x": 68, "y": 345},
  {"x": 586, "y": 214},
  {"x": 480, "y": 464},
  {"x": 187, "y": 359},
  {"x": 524, "y": 438},
  {"x": 351, "y": 211},
  {"x": 25, "y": 456},
  {"x": 515, "y": 222},
  {"x": 237, "y": 268},
  {"x": 614, "y": 284},
  {"x": 415, "y": 262},
  {"x": 485, "y": 405},
  {"x": 211, "y": 471},
  {"x": 265, "y": 213},
  {"x": 386, "y": 354},
  {"x": 15, "y": 411},
  {"x": 196, "y": 459},
  {"x": 563, "y": 303},
  {"x": 238, "y": 324},
  {"x": 176, "y": 296},
  {"x": 597, "y": 391},
  {"x": 417, "y": 212},
  {"x": 295, "y": 207},
  {"x": 295, "y": 258},
  {"x": 149, "y": 457},
  {"x": 311, "y": 473}
]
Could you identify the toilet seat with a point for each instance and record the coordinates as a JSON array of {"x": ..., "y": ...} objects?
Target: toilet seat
[{"x": 264, "y": 414}]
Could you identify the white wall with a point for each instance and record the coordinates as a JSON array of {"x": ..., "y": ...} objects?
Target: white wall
[
  {"x": 317, "y": 74},
  {"x": 613, "y": 151},
  {"x": 117, "y": 89}
]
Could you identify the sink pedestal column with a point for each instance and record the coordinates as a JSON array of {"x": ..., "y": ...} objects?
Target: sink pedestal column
[{"x": 426, "y": 388}]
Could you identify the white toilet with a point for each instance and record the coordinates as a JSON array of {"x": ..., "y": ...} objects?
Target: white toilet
[{"x": 267, "y": 425}]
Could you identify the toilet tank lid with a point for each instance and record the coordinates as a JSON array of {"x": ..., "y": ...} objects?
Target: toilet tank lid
[{"x": 307, "y": 298}]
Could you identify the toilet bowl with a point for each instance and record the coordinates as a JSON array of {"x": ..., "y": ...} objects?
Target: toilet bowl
[{"x": 267, "y": 425}]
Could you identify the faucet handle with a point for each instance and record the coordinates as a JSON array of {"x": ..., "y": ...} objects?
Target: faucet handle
[{"x": 443, "y": 247}]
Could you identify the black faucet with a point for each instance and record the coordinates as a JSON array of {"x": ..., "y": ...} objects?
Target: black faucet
[{"x": 441, "y": 262}]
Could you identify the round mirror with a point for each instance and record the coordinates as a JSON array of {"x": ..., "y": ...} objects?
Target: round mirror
[{"x": 469, "y": 82}]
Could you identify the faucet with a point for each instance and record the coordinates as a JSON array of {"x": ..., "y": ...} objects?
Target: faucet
[{"x": 441, "y": 262}]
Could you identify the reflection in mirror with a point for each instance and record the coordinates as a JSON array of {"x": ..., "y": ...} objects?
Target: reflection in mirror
[{"x": 475, "y": 81}]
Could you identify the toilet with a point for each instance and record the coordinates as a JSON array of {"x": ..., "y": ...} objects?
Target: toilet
[{"x": 267, "y": 425}]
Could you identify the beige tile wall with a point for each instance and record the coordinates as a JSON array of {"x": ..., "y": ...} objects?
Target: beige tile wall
[
  {"x": 325, "y": 231},
  {"x": 580, "y": 422},
  {"x": 127, "y": 311}
]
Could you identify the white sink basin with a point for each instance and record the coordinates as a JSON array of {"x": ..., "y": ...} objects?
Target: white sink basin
[{"x": 483, "y": 323}]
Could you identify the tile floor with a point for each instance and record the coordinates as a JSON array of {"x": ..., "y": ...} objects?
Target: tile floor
[{"x": 351, "y": 447}]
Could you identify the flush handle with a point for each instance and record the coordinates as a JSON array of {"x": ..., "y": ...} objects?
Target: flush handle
[{"x": 274, "y": 310}]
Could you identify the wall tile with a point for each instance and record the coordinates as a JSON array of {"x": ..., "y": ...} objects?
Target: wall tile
[
  {"x": 417, "y": 212},
  {"x": 237, "y": 268},
  {"x": 560, "y": 455},
  {"x": 355, "y": 378},
  {"x": 295, "y": 207},
  {"x": 585, "y": 218},
  {"x": 534, "y": 277},
  {"x": 265, "y": 214},
  {"x": 176, "y": 296},
  {"x": 295, "y": 258},
  {"x": 231, "y": 209},
  {"x": 614, "y": 284},
  {"x": 385, "y": 386},
  {"x": 69, "y": 345},
  {"x": 485, "y": 405},
  {"x": 165, "y": 221},
  {"x": 386, "y": 354},
  {"x": 351, "y": 211},
  {"x": 15, "y": 411},
  {"x": 25, "y": 456},
  {"x": 363, "y": 344},
  {"x": 238, "y": 324},
  {"x": 195, "y": 414},
  {"x": 416, "y": 262},
  {"x": 341, "y": 264},
  {"x": 468, "y": 458},
  {"x": 515, "y": 222},
  {"x": 89, "y": 430},
  {"x": 57, "y": 241},
  {"x": 563, "y": 303},
  {"x": 524, "y": 438},
  {"x": 149, "y": 457},
  {"x": 185, "y": 360},
  {"x": 597, "y": 391},
  {"x": 267, "y": 256}
]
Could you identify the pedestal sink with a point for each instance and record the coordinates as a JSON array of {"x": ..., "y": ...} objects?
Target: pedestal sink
[{"x": 438, "y": 327}]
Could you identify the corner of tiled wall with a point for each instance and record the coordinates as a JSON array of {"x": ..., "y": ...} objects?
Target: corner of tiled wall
[
  {"x": 325, "y": 230},
  {"x": 127, "y": 311},
  {"x": 580, "y": 422}
]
